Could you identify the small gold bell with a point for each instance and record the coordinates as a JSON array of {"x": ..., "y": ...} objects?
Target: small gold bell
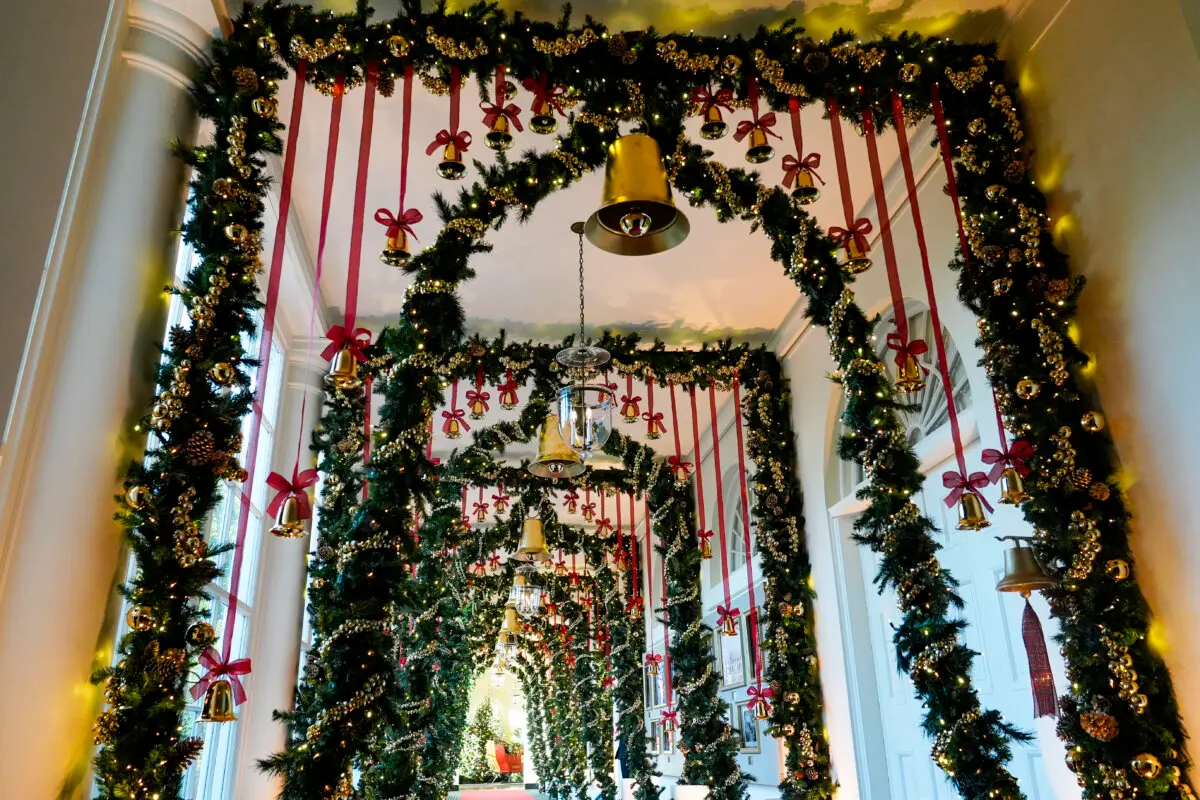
[
  {"x": 653, "y": 667},
  {"x": 1012, "y": 487},
  {"x": 759, "y": 150},
  {"x": 714, "y": 127},
  {"x": 762, "y": 711},
  {"x": 288, "y": 524},
  {"x": 543, "y": 121},
  {"x": 970, "y": 513},
  {"x": 499, "y": 137},
  {"x": 705, "y": 549},
  {"x": 909, "y": 379},
  {"x": 729, "y": 626},
  {"x": 805, "y": 188},
  {"x": 453, "y": 429},
  {"x": 343, "y": 371},
  {"x": 452, "y": 167},
  {"x": 218, "y": 703},
  {"x": 630, "y": 413},
  {"x": 396, "y": 253},
  {"x": 478, "y": 409},
  {"x": 854, "y": 258}
]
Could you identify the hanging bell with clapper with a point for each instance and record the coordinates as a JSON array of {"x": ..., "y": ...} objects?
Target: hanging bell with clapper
[
  {"x": 554, "y": 458},
  {"x": 451, "y": 167},
  {"x": 637, "y": 216},
  {"x": 714, "y": 126},
  {"x": 288, "y": 522},
  {"x": 1022, "y": 571},
  {"x": 343, "y": 370},
  {"x": 500, "y": 137},
  {"x": 970, "y": 513},
  {"x": 909, "y": 377},
  {"x": 533, "y": 542},
  {"x": 396, "y": 253},
  {"x": 759, "y": 150},
  {"x": 218, "y": 703},
  {"x": 1012, "y": 487}
]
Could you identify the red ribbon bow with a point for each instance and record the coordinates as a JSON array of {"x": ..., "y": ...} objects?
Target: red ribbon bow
[
  {"x": 608, "y": 682},
  {"x": 604, "y": 525},
  {"x": 792, "y": 166},
  {"x": 1018, "y": 451},
  {"x": 706, "y": 99},
  {"x": 501, "y": 500},
  {"x": 914, "y": 348},
  {"x": 296, "y": 486},
  {"x": 960, "y": 484},
  {"x": 675, "y": 462},
  {"x": 457, "y": 414},
  {"x": 494, "y": 111},
  {"x": 628, "y": 402},
  {"x": 481, "y": 507},
  {"x": 588, "y": 510},
  {"x": 210, "y": 660},
  {"x": 670, "y": 718},
  {"x": 395, "y": 224},
  {"x": 483, "y": 397},
  {"x": 724, "y": 613},
  {"x": 571, "y": 496},
  {"x": 460, "y": 140},
  {"x": 760, "y": 696},
  {"x": 858, "y": 232},
  {"x": 704, "y": 536},
  {"x": 353, "y": 341},
  {"x": 543, "y": 92},
  {"x": 653, "y": 659},
  {"x": 494, "y": 560},
  {"x": 655, "y": 422},
  {"x": 763, "y": 123}
]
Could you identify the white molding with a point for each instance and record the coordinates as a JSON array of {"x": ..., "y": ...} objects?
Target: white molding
[
  {"x": 158, "y": 68},
  {"x": 171, "y": 25}
]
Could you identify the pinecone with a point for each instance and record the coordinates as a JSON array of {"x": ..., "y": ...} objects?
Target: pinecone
[
  {"x": 181, "y": 339},
  {"x": 200, "y": 448},
  {"x": 105, "y": 727}
]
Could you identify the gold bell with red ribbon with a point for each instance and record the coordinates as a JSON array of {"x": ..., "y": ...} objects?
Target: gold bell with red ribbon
[
  {"x": 759, "y": 150},
  {"x": 630, "y": 412},
  {"x": 500, "y": 136},
  {"x": 729, "y": 625},
  {"x": 543, "y": 121},
  {"x": 804, "y": 188},
  {"x": 288, "y": 523},
  {"x": 970, "y": 513},
  {"x": 343, "y": 370},
  {"x": 653, "y": 665},
  {"x": 1012, "y": 487},
  {"x": 451, "y": 167},
  {"x": 762, "y": 711},
  {"x": 705, "y": 549},
  {"x": 854, "y": 257},
  {"x": 453, "y": 428},
  {"x": 478, "y": 407},
  {"x": 714, "y": 126},
  {"x": 218, "y": 703},
  {"x": 909, "y": 376},
  {"x": 395, "y": 253}
]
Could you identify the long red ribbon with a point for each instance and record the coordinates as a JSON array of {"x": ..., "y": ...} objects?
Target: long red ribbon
[
  {"x": 702, "y": 532},
  {"x": 741, "y": 449},
  {"x": 793, "y": 165},
  {"x": 403, "y": 219},
  {"x": 649, "y": 569},
  {"x": 900, "y": 318},
  {"x": 367, "y": 390},
  {"x": 677, "y": 463},
  {"x": 637, "y": 585},
  {"x": 839, "y": 157},
  {"x": 620, "y": 531},
  {"x": 654, "y": 422},
  {"x": 666, "y": 614},
  {"x": 716, "y": 434},
  {"x": 360, "y": 197},
  {"x": 264, "y": 354},
  {"x": 939, "y": 343},
  {"x": 939, "y": 118}
]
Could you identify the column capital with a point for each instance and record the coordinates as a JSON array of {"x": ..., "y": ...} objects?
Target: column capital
[{"x": 170, "y": 37}]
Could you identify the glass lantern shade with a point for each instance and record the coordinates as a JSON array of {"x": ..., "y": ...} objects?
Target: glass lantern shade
[
  {"x": 525, "y": 597},
  {"x": 585, "y": 417}
]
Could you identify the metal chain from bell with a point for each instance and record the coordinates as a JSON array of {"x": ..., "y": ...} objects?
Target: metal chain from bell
[{"x": 581, "y": 288}]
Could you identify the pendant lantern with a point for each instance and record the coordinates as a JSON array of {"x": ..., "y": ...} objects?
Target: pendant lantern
[{"x": 637, "y": 216}]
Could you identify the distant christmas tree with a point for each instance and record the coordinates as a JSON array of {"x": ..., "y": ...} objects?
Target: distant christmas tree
[{"x": 483, "y": 729}]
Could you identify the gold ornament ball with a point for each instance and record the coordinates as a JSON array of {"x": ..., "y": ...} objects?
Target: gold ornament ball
[
  {"x": 201, "y": 635},
  {"x": 1027, "y": 389},
  {"x": 1117, "y": 569},
  {"x": 994, "y": 192},
  {"x": 140, "y": 618},
  {"x": 222, "y": 373},
  {"x": 268, "y": 44},
  {"x": 236, "y": 232},
  {"x": 1092, "y": 421},
  {"x": 1001, "y": 286},
  {"x": 1146, "y": 765},
  {"x": 137, "y": 496},
  {"x": 910, "y": 72}
]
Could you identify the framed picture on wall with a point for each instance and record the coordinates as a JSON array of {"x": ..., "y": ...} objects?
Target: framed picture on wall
[
  {"x": 714, "y": 650},
  {"x": 660, "y": 686},
  {"x": 747, "y": 728},
  {"x": 668, "y": 740},
  {"x": 654, "y": 737},
  {"x": 732, "y": 650}
]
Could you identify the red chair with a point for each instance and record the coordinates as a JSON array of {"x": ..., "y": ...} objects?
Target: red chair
[{"x": 502, "y": 761}]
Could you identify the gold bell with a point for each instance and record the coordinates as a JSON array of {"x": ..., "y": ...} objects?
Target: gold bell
[
  {"x": 218, "y": 703},
  {"x": 630, "y": 413},
  {"x": 909, "y": 379},
  {"x": 762, "y": 711},
  {"x": 970, "y": 513},
  {"x": 555, "y": 459},
  {"x": 288, "y": 524},
  {"x": 714, "y": 126},
  {"x": 499, "y": 137},
  {"x": 705, "y": 549},
  {"x": 1022, "y": 572},
  {"x": 854, "y": 258},
  {"x": 1012, "y": 487},
  {"x": 637, "y": 216},
  {"x": 533, "y": 542},
  {"x": 543, "y": 120},
  {"x": 805, "y": 190},
  {"x": 759, "y": 150},
  {"x": 452, "y": 167},
  {"x": 478, "y": 409},
  {"x": 396, "y": 253},
  {"x": 511, "y": 625},
  {"x": 729, "y": 626},
  {"x": 343, "y": 371}
]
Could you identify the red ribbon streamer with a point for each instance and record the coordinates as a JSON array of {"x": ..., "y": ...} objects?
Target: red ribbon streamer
[
  {"x": 493, "y": 111},
  {"x": 367, "y": 390},
  {"x": 716, "y": 434},
  {"x": 461, "y": 139},
  {"x": 792, "y": 165},
  {"x": 604, "y": 524},
  {"x": 916, "y": 347},
  {"x": 1041, "y": 677},
  {"x": 741, "y": 449},
  {"x": 629, "y": 402},
  {"x": 764, "y": 123},
  {"x": 960, "y": 484},
  {"x": 676, "y": 461},
  {"x": 544, "y": 92},
  {"x": 855, "y": 228},
  {"x": 455, "y": 413},
  {"x": 702, "y": 532},
  {"x": 649, "y": 569},
  {"x": 1014, "y": 456},
  {"x": 340, "y": 336},
  {"x": 939, "y": 118},
  {"x": 899, "y": 315},
  {"x": 264, "y": 354},
  {"x": 654, "y": 422},
  {"x": 295, "y": 487},
  {"x": 666, "y": 618},
  {"x": 217, "y": 667},
  {"x": 637, "y": 585},
  {"x": 620, "y": 531},
  {"x": 360, "y": 197},
  {"x": 943, "y": 364},
  {"x": 404, "y": 219}
]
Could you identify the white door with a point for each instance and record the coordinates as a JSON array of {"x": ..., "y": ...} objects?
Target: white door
[{"x": 1000, "y": 671}]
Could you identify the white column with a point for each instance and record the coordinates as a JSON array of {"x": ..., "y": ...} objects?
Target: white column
[
  {"x": 88, "y": 373},
  {"x": 278, "y": 611}
]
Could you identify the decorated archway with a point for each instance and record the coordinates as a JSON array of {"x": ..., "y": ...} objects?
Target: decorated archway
[{"x": 373, "y": 718}]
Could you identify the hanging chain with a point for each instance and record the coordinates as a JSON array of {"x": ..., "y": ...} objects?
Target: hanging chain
[{"x": 580, "y": 344}]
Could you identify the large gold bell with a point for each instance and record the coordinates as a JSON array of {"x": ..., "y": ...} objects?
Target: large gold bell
[
  {"x": 970, "y": 513},
  {"x": 854, "y": 258},
  {"x": 499, "y": 137},
  {"x": 543, "y": 120},
  {"x": 805, "y": 188},
  {"x": 636, "y": 216},
  {"x": 555, "y": 459},
  {"x": 511, "y": 624},
  {"x": 909, "y": 379},
  {"x": 396, "y": 253},
  {"x": 759, "y": 150},
  {"x": 288, "y": 524},
  {"x": 714, "y": 127},
  {"x": 218, "y": 703},
  {"x": 343, "y": 371},
  {"x": 533, "y": 542},
  {"x": 1023, "y": 573},
  {"x": 1012, "y": 487},
  {"x": 451, "y": 168}
]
